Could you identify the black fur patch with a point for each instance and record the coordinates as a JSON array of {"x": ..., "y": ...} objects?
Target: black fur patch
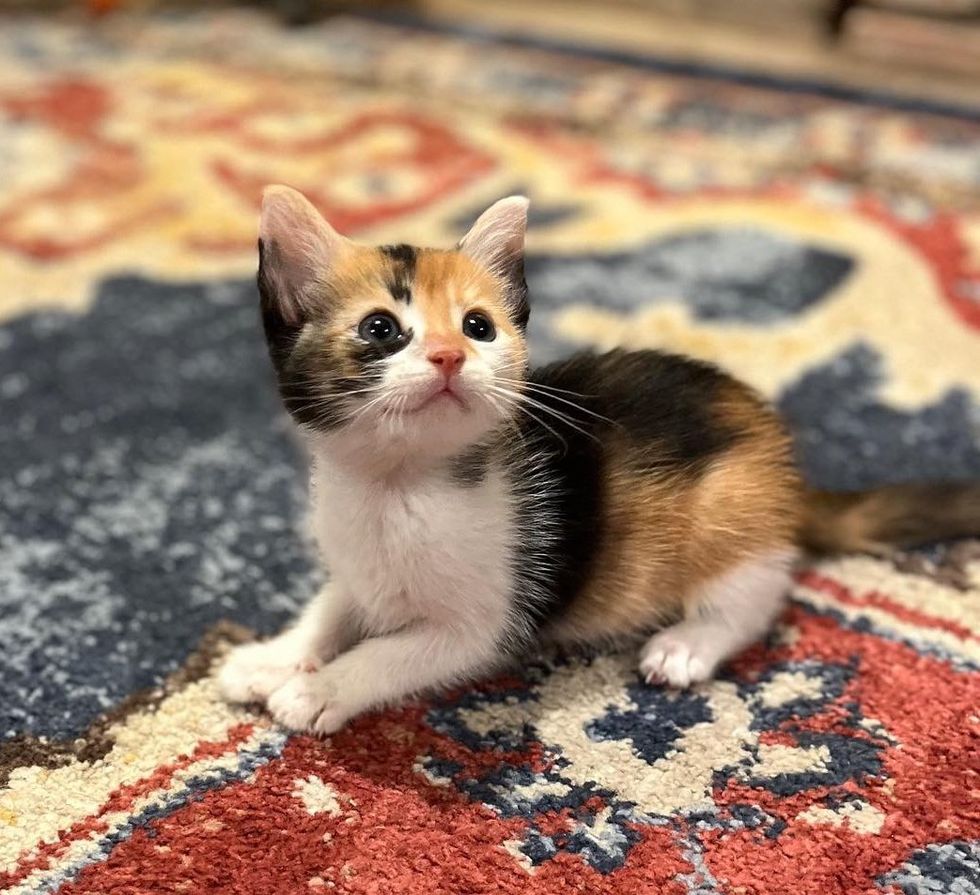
[
  {"x": 400, "y": 292},
  {"x": 574, "y": 471},
  {"x": 403, "y": 262},
  {"x": 280, "y": 334},
  {"x": 469, "y": 469},
  {"x": 297, "y": 384},
  {"x": 520, "y": 307},
  {"x": 316, "y": 377},
  {"x": 664, "y": 403},
  {"x": 372, "y": 352},
  {"x": 659, "y": 407},
  {"x": 516, "y": 291},
  {"x": 404, "y": 254}
]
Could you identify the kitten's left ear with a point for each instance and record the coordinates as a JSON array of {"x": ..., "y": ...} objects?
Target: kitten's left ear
[{"x": 496, "y": 241}]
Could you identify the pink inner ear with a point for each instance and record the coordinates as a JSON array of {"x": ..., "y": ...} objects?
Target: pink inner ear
[
  {"x": 299, "y": 247},
  {"x": 497, "y": 238}
]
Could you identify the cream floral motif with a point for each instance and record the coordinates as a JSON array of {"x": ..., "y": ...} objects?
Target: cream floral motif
[{"x": 565, "y": 704}]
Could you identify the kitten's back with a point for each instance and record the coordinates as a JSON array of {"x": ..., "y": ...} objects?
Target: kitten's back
[{"x": 664, "y": 474}]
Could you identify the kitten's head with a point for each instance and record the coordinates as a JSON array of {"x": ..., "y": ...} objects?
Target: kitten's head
[{"x": 394, "y": 350}]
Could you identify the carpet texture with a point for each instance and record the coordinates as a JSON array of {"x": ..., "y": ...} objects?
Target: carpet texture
[{"x": 821, "y": 244}]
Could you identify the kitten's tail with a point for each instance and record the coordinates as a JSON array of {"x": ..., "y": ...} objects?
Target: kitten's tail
[{"x": 894, "y": 516}]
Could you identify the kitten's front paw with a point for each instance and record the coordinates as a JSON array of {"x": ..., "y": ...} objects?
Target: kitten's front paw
[
  {"x": 673, "y": 657},
  {"x": 309, "y": 702},
  {"x": 253, "y": 671}
]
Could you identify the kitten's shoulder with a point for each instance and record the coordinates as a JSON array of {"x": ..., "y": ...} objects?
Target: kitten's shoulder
[
  {"x": 621, "y": 372},
  {"x": 690, "y": 408}
]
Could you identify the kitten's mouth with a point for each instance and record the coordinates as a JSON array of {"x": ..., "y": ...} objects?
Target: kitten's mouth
[{"x": 440, "y": 395}]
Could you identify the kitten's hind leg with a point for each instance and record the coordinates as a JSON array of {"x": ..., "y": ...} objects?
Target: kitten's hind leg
[
  {"x": 253, "y": 671},
  {"x": 730, "y": 613}
]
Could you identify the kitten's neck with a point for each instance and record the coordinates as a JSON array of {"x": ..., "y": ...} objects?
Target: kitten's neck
[
  {"x": 379, "y": 469},
  {"x": 394, "y": 463},
  {"x": 393, "y": 468}
]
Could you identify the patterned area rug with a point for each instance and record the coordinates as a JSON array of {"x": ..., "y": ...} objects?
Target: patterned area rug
[{"x": 821, "y": 244}]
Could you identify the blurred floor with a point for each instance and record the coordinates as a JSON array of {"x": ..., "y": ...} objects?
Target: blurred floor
[{"x": 788, "y": 38}]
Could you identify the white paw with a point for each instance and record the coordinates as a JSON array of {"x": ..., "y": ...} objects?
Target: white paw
[
  {"x": 252, "y": 672},
  {"x": 676, "y": 658},
  {"x": 309, "y": 701}
]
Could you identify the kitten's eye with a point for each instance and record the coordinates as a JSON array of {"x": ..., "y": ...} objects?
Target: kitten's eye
[
  {"x": 479, "y": 327},
  {"x": 379, "y": 328}
]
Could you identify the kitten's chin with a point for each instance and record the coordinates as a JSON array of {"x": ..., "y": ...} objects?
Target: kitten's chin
[
  {"x": 447, "y": 424},
  {"x": 439, "y": 401},
  {"x": 437, "y": 428}
]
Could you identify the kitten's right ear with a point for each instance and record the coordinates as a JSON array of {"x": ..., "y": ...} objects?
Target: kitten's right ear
[
  {"x": 297, "y": 248},
  {"x": 496, "y": 241}
]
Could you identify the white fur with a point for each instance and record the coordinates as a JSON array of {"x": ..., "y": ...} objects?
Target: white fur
[
  {"x": 389, "y": 436},
  {"x": 421, "y": 567},
  {"x": 732, "y": 612},
  {"x": 254, "y": 671}
]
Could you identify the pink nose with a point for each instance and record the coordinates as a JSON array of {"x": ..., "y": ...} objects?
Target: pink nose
[{"x": 446, "y": 360}]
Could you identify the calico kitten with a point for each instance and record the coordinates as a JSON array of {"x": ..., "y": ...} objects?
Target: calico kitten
[{"x": 467, "y": 508}]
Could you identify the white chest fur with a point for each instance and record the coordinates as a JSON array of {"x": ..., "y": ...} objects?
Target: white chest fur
[{"x": 416, "y": 547}]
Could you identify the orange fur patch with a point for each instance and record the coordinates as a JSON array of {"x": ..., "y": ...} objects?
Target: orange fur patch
[
  {"x": 446, "y": 284},
  {"x": 668, "y": 535}
]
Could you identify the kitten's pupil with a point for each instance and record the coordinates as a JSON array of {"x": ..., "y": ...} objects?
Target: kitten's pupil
[
  {"x": 379, "y": 328},
  {"x": 479, "y": 327}
]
